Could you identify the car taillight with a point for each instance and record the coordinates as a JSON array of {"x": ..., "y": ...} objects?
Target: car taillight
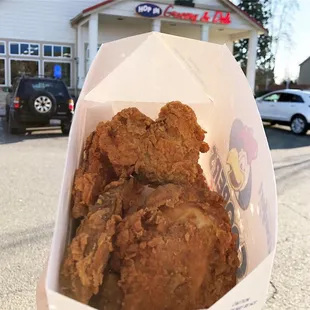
[
  {"x": 71, "y": 105},
  {"x": 16, "y": 103}
]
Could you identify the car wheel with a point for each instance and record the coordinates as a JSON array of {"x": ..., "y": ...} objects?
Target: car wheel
[
  {"x": 299, "y": 125},
  {"x": 65, "y": 128},
  {"x": 42, "y": 103},
  {"x": 14, "y": 130}
]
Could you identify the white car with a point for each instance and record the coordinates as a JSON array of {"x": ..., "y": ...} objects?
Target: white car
[{"x": 286, "y": 107}]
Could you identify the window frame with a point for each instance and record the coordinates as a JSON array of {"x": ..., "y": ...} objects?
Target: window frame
[
  {"x": 62, "y": 52},
  {"x": 4, "y": 44},
  {"x": 269, "y": 95},
  {"x": 5, "y": 71},
  {"x": 21, "y": 59},
  {"x": 24, "y": 55},
  {"x": 292, "y": 96},
  {"x": 61, "y": 61}
]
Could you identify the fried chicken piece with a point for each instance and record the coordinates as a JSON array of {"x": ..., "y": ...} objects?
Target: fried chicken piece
[
  {"x": 89, "y": 251},
  {"x": 124, "y": 195},
  {"x": 94, "y": 173},
  {"x": 110, "y": 296},
  {"x": 160, "y": 152},
  {"x": 172, "y": 146},
  {"x": 121, "y": 137},
  {"x": 87, "y": 256},
  {"x": 178, "y": 252}
]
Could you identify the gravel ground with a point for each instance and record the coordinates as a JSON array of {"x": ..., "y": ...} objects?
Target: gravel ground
[{"x": 31, "y": 169}]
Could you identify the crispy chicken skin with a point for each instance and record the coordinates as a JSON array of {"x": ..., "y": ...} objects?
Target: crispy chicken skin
[
  {"x": 178, "y": 252},
  {"x": 152, "y": 236},
  {"x": 94, "y": 173},
  {"x": 86, "y": 257},
  {"x": 110, "y": 296},
  {"x": 89, "y": 251},
  {"x": 160, "y": 152},
  {"x": 121, "y": 137}
]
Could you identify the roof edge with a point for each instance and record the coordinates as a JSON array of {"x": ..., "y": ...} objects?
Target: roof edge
[
  {"x": 97, "y": 6},
  {"x": 228, "y": 3},
  {"x": 304, "y": 61},
  {"x": 251, "y": 19}
]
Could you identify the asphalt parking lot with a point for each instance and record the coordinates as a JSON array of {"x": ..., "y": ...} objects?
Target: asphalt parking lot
[{"x": 31, "y": 169}]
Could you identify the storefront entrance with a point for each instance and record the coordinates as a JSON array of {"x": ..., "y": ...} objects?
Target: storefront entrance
[{"x": 114, "y": 20}]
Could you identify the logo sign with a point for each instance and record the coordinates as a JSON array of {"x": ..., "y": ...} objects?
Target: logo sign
[
  {"x": 216, "y": 17},
  {"x": 57, "y": 72},
  {"x": 148, "y": 10},
  {"x": 236, "y": 174}
]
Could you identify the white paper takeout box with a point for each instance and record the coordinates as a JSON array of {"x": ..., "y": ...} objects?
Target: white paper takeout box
[{"x": 148, "y": 71}]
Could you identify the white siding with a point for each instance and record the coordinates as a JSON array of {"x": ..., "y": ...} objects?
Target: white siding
[
  {"x": 40, "y": 20},
  {"x": 182, "y": 30},
  {"x": 112, "y": 29}
]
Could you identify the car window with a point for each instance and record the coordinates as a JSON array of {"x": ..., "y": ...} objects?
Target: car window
[
  {"x": 285, "y": 97},
  {"x": 273, "y": 97},
  {"x": 57, "y": 88}
]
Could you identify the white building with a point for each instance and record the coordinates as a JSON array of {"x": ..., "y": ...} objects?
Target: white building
[{"x": 36, "y": 35}]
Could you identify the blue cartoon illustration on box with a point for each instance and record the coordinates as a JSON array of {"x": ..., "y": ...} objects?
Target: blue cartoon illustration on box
[
  {"x": 242, "y": 152},
  {"x": 232, "y": 178}
]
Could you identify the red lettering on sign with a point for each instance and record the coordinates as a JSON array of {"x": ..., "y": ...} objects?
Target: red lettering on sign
[
  {"x": 220, "y": 18},
  {"x": 205, "y": 17},
  {"x": 177, "y": 15}
]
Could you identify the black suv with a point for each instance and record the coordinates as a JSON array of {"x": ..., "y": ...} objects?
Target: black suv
[{"x": 38, "y": 102}]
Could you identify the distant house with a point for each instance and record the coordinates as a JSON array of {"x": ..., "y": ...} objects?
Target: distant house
[{"x": 304, "y": 72}]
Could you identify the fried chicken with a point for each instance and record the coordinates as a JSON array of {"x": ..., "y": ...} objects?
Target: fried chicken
[
  {"x": 94, "y": 173},
  {"x": 87, "y": 256},
  {"x": 89, "y": 251},
  {"x": 110, "y": 296},
  {"x": 178, "y": 252},
  {"x": 121, "y": 137},
  {"x": 153, "y": 236},
  {"x": 160, "y": 152}
]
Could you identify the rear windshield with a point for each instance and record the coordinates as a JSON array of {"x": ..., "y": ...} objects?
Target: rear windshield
[{"x": 57, "y": 88}]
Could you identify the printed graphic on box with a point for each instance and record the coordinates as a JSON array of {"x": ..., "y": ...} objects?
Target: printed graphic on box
[{"x": 236, "y": 173}]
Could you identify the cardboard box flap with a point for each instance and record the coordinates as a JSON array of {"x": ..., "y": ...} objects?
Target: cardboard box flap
[
  {"x": 111, "y": 54},
  {"x": 251, "y": 292},
  {"x": 153, "y": 58}
]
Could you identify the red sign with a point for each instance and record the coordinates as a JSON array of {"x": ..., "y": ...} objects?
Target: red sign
[{"x": 218, "y": 17}]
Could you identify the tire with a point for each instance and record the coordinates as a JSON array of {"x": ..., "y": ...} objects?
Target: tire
[
  {"x": 14, "y": 130},
  {"x": 42, "y": 103},
  {"x": 65, "y": 128},
  {"x": 299, "y": 125}
]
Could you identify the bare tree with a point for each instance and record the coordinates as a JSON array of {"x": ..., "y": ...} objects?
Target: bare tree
[{"x": 281, "y": 26}]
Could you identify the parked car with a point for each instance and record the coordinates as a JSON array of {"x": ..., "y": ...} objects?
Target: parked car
[
  {"x": 286, "y": 107},
  {"x": 38, "y": 102}
]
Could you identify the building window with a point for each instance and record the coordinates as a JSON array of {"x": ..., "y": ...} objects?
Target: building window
[
  {"x": 23, "y": 67},
  {"x": 65, "y": 70},
  {"x": 57, "y": 51},
  {"x": 189, "y": 3},
  {"x": 14, "y": 49},
  {"x": 2, "y": 71},
  {"x": 24, "y": 49},
  {"x": 2, "y": 48}
]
